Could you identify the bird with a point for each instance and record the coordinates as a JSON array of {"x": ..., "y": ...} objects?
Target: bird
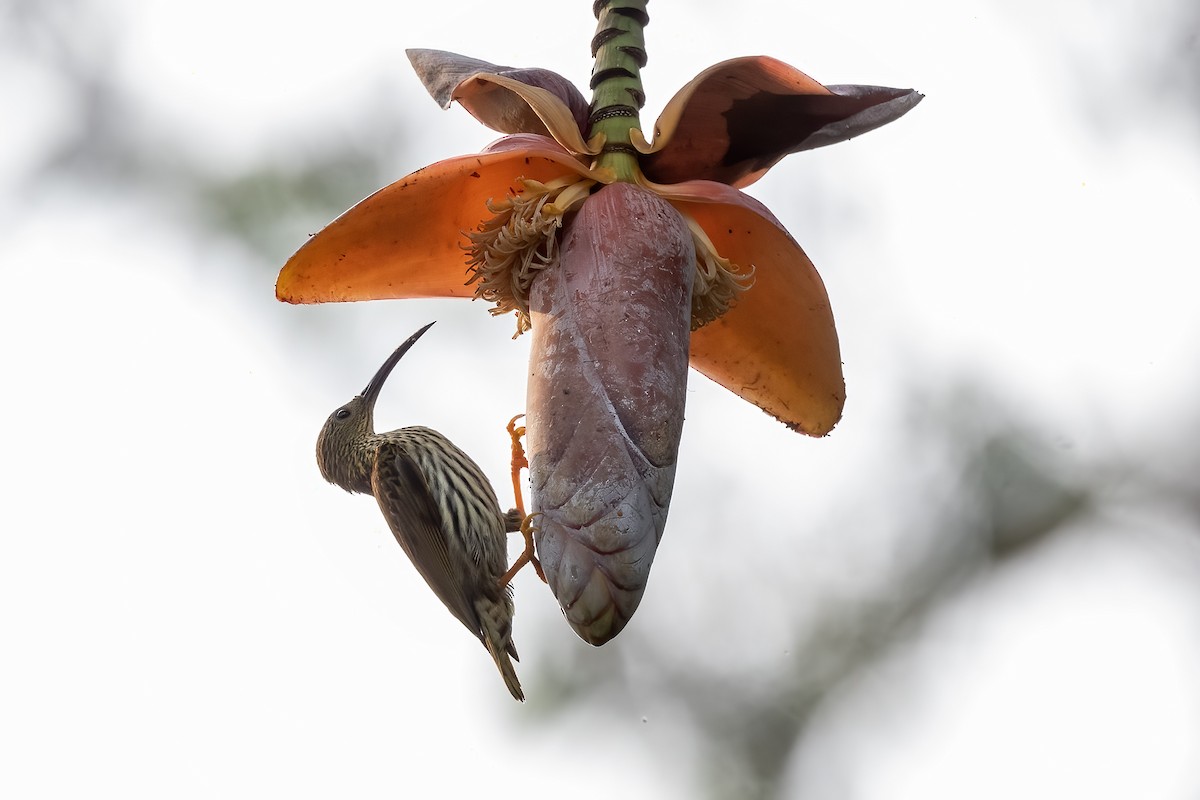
[{"x": 440, "y": 506}]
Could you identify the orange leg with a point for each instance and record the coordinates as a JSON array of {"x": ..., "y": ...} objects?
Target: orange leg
[{"x": 519, "y": 462}]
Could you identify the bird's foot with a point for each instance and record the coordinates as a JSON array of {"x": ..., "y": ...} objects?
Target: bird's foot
[
  {"x": 527, "y": 555},
  {"x": 519, "y": 462},
  {"x": 516, "y": 519}
]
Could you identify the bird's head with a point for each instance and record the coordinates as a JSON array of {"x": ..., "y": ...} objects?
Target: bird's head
[{"x": 346, "y": 434}]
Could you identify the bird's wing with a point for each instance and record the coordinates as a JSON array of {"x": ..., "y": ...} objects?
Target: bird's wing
[{"x": 411, "y": 512}]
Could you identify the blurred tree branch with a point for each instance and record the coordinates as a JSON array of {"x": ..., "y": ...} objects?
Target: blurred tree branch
[
  {"x": 1013, "y": 495},
  {"x": 118, "y": 146}
]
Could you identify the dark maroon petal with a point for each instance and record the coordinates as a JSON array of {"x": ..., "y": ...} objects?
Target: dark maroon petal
[
  {"x": 873, "y": 106},
  {"x": 607, "y": 385},
  {"x": 738, "y": 119},
  {"x": 444, "y": 75}
]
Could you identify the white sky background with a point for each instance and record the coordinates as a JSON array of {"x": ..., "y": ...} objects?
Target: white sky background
[{"x": 187, "y": 610}]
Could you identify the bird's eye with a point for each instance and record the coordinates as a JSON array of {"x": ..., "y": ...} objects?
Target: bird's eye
[{"x": 341, "y": 413}]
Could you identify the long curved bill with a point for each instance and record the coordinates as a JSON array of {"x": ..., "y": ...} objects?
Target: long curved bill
[{"x": 372, "y": 391}]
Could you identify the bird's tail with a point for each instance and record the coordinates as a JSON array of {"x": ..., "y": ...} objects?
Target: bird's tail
[{"x": 496, "y": 619}]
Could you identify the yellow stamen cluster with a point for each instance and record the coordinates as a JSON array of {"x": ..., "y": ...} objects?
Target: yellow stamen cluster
[
  {"x": 718, "y": 281},
  {"x": 507, "y": 251}
]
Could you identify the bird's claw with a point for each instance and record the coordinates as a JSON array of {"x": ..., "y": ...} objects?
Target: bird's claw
[{"x": 527, "y": 555}]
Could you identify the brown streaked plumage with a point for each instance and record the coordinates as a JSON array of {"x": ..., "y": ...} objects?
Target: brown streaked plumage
[{"x": 440, "y": 506}]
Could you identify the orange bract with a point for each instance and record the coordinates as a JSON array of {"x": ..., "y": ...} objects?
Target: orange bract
[
  {"x": 406, "y": 240},
  {"x": 777, "y": 347}
]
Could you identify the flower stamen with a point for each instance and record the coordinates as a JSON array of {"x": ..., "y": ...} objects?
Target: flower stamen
[
  {"x": 508, "y": 251},
  {"x": 719, "y": 282}
]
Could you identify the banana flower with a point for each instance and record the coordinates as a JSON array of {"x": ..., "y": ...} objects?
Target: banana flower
[{"x": 629, "y": 259}]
